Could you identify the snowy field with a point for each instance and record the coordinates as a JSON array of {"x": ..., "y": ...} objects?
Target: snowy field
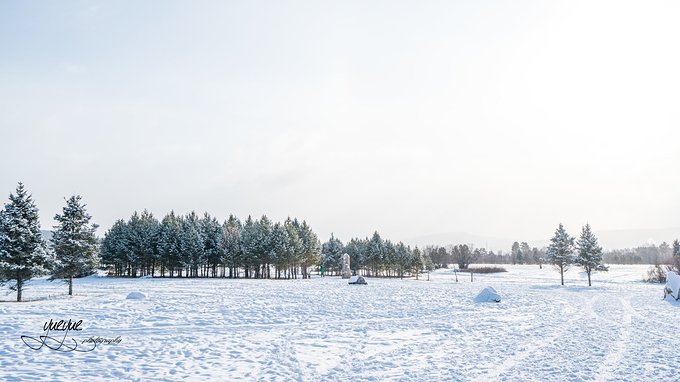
[{"x": 324, "y": 330}]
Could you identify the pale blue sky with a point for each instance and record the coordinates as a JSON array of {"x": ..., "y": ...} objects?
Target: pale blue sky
[{"x": 496, "y": 118}]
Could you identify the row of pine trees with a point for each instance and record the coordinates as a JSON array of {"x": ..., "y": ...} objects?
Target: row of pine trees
[
  {"x": 375, "y": 257},
  {"x": 201, "y": 246}
]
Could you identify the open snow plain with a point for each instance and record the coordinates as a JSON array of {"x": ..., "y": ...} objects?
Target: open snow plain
[{"x": 325, "y": 330}]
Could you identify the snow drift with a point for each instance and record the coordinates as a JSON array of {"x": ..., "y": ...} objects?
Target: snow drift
[
  {"x": 672, "y": 285},
  {"x": 488, "y": 294}
]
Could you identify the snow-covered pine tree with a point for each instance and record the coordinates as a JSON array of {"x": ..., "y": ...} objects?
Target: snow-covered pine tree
[
  {"x": 331, "y": 252},
  {"x": 295, "y": 246},
  {"x": 516, "y": 253},
  {"x": 74, "y": 243},
  {"x": 264, "y": 247},
  {"x": 249, "y": 238},
  {"x": 211, "y": 233},
  {"x": 114, "y": 248},
  {"x": 311, "y": 247},
  {"x": 375, "y": 251},
  {"x": 231, "y": 231},
  {"x": 191, "y": 244},
  {"x": 560, "y": 252},
  {"x": 279, "y": 249},
  {"x": 23, "y": 252},
  {"x": 526, "y": 252},
  {"x": 169, "y": 243},
  {"x": 589, "y": 253},
  {"x": 417, "y": 262}
]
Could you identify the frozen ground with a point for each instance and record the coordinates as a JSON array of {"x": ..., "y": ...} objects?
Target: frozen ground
[{"x": 325, "y": 330}]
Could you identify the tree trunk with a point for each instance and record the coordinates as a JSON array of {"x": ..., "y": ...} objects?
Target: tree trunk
[
  {"x": 588, "y": 278},
  {"x": 562, "y": 275},
  {"x": 70, "y": 285},
  {"x": 20, "y": 284}
]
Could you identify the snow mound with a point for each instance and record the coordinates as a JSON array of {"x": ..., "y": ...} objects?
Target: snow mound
[
  {"x": 673, "y": 284},
  {"x": 488, "y": 294},
  {"x": 136, "y": 296},
  {"x": 357, "y": 280}
]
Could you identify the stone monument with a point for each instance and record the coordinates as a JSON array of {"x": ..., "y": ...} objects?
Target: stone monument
[{"x": 346, "y": 273}]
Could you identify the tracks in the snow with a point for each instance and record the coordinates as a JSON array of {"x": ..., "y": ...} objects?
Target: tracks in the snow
[{"x": 619, "y": 347}]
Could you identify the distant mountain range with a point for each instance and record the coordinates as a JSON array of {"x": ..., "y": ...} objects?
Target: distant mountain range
[{"x": 609, "y": 239}]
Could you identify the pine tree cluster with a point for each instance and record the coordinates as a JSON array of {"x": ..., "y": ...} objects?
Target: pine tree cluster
[
  {"x": 375, "y": 257},
  {"x": 563, "y": 252},
  {"x": 199, "y": 246},
  {"x": 24, "y": 253}
]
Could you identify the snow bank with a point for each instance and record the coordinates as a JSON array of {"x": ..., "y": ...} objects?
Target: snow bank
[
  {"x": 136, "y": 296},
  {"x": 673, "y": 284},
  {"x": 488, "y": 294}
]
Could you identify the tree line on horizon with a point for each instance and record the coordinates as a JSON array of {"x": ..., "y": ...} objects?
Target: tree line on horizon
[{"x": 200, "y": 246}]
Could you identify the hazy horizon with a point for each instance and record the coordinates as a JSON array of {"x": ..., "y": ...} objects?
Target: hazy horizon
[{"x": 492, "y": 118}]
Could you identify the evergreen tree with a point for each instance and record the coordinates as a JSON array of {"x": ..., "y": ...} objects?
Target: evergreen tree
[
  {"x": 295, "y": 246},
  {"x": 675, "y": 259},
  {"x": 169, "y": 243},
  {"x": 249, "y": 245},
  {"x": 311, "y": 247},
  {"x": 463, "y": 255},
  {"x": 279, "y": 247},
  {"x": 264, "y": 228},
  {"x": 516, "y": 254},
  {"x": 560, "y": 251},
  {"x": 417, "y": 262},
  {"x": 191, "y": 244},
  {"x": 114, "y": 248},
  {"x": 211, "y": 233},
  {"x": 331, "y": 252},
  {"x": 23, "y": 252},
  {"x": 589, "y": 255},
  {"x": 525, "y": 250},
  {"x": 375, "y": 250},
  {"x": 74, "y": 243},
  {"x": 231, "y": 232}
]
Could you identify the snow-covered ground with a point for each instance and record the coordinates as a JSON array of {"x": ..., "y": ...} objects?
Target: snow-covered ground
[{"x": 325, "y": 330}]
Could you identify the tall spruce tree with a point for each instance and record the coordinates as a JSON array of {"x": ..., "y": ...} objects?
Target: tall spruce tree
[
  {"x": 331, "y": 253},
  {"x": 23, "y": 252},
  {"x": 231, "y": 231},
  {"x": 311, "y": 248},
  {"x": 418, "y": 261},
  {"x": 560, "y": 252},
  {"x": 74, "y": 243},
  {"x": 589, "y": 253},
  {"x": 114, "y": 248},
  {"x": 169, "y": 243},
  {"x": 516, "y": 252}
]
